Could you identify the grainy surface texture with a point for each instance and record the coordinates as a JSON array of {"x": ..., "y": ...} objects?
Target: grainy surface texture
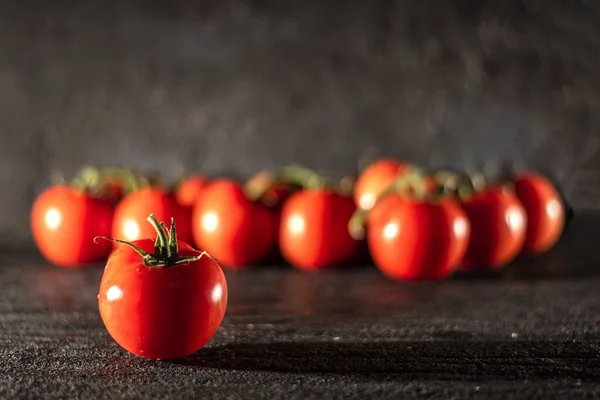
[
  {"x": 235, "y": 86},
  {"x": 530, "y": 332}
]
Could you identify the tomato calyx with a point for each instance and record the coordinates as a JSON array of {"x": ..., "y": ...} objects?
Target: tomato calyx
[
  {"x": 166, "y": 247},
  {"x": 410, "y": 184}
]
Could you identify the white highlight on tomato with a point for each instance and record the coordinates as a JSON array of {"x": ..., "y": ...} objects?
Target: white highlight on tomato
[
  {"x": 131, "y": 230},
  {"x": 391, "y": 230},
  {"x": 367, "y": 201},
  {"x": 514, "y": 218},
  {"x": 460, "y": 227},
  {"x": 210, "y": 221},
  {"x": 296, "y": 224},
  {"x": 114, "y": 293},
  {"x": 553, "y": 209},
  {"x": 52, "y": 218},
  {"x": 216, "y": 294}
]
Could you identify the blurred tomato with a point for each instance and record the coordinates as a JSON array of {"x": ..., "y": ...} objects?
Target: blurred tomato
[
  {"x": 498, "y": 228},
  {"x": 64, "y": 223},
  {"x": 545, "y": 212},
  {"x": 417, "y": 240},
  {"x": 375, "y": 179},
  {"x": 314, "y": 229},
  {"x": 131, "y": 213},
  {"x": 236, "y": 231}
]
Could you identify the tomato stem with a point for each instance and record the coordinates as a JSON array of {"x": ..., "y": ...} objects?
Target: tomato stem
[{"x": 166, "y": 247}]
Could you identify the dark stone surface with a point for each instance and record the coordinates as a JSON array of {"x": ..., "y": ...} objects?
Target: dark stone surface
[
  {"x": 234, "y": 86},
  {"x": 530, "y": 332}
]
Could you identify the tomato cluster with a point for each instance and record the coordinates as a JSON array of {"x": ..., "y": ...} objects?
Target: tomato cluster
[
  {"x": 162, "y": 299},
  {"x": 416, "y": 224}
]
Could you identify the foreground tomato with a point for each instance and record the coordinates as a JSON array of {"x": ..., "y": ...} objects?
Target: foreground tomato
[
  {"x": 64, "y": 222},
  {"x": 313, "y": 232},
  {"x": 235, "y": 230},
  {"x": 161, "y": 299},
  {"x": 545, "y": 212},
  {"x": 498, "y": 227},
  {"x": 417, "y": 240},
  {"x": 130, "y": 214},
  {"x": 375, "y": 179}
]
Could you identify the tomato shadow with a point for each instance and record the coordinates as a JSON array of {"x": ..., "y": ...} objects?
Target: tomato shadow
[{"x": 457, "y": 358}]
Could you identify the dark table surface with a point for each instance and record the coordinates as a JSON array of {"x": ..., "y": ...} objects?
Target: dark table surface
[{"x": 532, "y": 331}]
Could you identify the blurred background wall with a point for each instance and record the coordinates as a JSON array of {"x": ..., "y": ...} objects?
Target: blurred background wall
[{"x": 235, "y": 86}]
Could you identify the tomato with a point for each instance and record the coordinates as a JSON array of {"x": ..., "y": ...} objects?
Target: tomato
[
  {"x": 417, "y": 240},
  {"x": 314, "y": 229},
  {"x": 498, "y": 228},
  {"x": 375, "y": 179},
  {"x": 545, "y": 212},
  {"x": 130, "y": 214},
  {"x": 235, "y": 230},
  {"x": 190, "y": 189},
  {"x": 159, "y": 305},
  {"x": 64, "y": 222}
]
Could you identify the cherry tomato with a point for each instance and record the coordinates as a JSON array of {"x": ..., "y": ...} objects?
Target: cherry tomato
[
  {"x": 235, "y": 230},
  {"x": 415, "y": 240},
  {"x": 64, "y": 222},
  {"x": 375, "y": 179},
  {"x": 190, "y": 189},
  {"x": 162, "y": 306},
  {"x": 314, "y": 229},
  {"x": 130, "y": 214},
  {"x": 498, "y": 227},
  {"x": 545, "y": 212}
]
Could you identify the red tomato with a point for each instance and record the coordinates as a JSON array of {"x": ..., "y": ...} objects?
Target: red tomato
[
  {"x": 64, "y": 223},
  {"x": 545, "y": 212},
  {"x": 235, "y": 230},
  {"x": 190, "y": 189},
  {"x": 130, "y": 214},
  {"x": 498, "y": 227},
  {"x": 375, "y": 179},
  {"x": 414, "y": 240},
  {"x": 314, "y": 229},
  {"x": 163, "y": 310}
]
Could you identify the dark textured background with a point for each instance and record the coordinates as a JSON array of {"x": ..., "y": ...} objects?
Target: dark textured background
[{"x": 234, "y": 86}]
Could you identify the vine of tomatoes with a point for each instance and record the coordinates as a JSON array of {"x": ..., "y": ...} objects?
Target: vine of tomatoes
[{"x": 415, "y": 224}]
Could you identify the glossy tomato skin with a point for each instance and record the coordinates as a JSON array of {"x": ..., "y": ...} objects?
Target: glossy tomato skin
[
  {"x": 413, "y": 240},
  {"x": 314, "y": 229},
  {"x": 188, "y": 192},
  {"x": 131, "y": 213},
  {"x": 498, "y": 227},
  {"x": 545, "y": 212},
  {"x": 235, "y": 230},
  {"x": 161, "y": 313},
  {"x": 64, "y": 223},
  {"x": 375, "y": 179}
]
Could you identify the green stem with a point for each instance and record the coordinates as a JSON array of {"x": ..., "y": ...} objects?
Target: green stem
[
  {"x": 304, "y": 177},
  {"x": 166, "y": 248}
]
